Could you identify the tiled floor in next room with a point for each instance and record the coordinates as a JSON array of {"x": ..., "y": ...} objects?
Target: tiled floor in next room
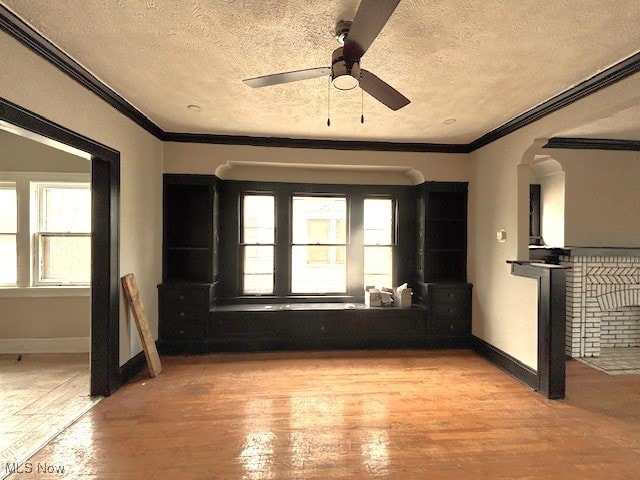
[{"x": 616, "y": 361}]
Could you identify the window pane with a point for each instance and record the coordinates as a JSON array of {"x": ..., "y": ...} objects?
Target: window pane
[
  {"x": 258, "y": 270},
  {"x": 8, "y": 259},
  {"x": 258, "y": 219},
  {"x": 378, "y": 221},
  {"x": 318, "y": 269},
  {"x": 66, "y": 209},
  {"x": 378, "y": 266},
  {"x": 65, "y": 259},
  {"x": 9, "y": 209},
  {"x": 319, "y": 220}
]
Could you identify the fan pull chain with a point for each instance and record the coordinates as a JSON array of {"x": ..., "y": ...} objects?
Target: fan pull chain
[
  {"x": 361, "y": 105},
  {"x": 329, "y": 102}
]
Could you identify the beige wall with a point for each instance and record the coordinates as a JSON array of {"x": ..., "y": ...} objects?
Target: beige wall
[
  {"x": 504, "y": 306},
  {"x": 19, "y": 154},
  {"x": 602, "y": 197},
  {"x": 45, "y": 317},
  {"x": 33, "y": 83},
  {"x": 552, "y": 199},
  {"x": 353, "y": 166}
]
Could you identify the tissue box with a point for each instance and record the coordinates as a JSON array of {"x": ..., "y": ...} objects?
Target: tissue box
[
  {"x": 372, "y": 298},
  {"x": 402, "y": 298}
]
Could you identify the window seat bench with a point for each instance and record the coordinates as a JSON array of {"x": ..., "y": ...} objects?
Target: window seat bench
[
  {"x": 315, "y": 325},
  {"x": 195, "y": 320}
]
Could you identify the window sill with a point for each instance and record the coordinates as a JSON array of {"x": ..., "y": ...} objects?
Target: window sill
[{"x": 30, "y": 292}]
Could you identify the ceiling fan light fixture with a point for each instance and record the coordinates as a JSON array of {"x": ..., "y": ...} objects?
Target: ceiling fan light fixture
[{"x": 344, "y": 76}]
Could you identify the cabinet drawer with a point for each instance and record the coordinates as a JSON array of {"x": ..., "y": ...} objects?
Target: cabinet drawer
[
  {"x": 445, "y": 326},
  {"x": 177, "y": 330},
  {"x": 450, "y": 295},
  {"x": 184, "y": 314},
  {"x": 449, "y": 310},
  {"x": 183, "y": 296},
  {"x": 244, "y": 324}
]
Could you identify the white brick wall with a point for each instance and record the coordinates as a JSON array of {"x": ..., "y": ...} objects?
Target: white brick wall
[{"x": 603, "y": 303}]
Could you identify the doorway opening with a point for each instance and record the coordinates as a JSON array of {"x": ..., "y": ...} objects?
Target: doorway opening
[{"x": 105, "y": 228}]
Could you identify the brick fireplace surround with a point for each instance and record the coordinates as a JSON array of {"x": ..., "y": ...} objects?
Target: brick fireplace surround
[{"x": 603, "y": 299}]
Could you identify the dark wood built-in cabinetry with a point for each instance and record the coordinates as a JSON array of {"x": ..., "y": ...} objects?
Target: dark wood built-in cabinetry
[
  {"x": 441, "y": 259},
  {"x": 194, "y": 317},
  {"x": 441, "y": 232},
  {"x": 190, "y": 258}
]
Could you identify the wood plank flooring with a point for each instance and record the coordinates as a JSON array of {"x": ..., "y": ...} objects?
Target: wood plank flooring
[
  {"x": 369, "y": 414},
  {"x": 40, "y": 395}
]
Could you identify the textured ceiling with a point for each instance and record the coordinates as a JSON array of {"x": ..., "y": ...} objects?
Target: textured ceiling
[
  {"x": 479, "y": 62},
  {"x": 624, "y": 125}
]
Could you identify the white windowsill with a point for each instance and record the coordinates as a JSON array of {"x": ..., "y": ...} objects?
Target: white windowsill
[{"x": 24, "y": 292}]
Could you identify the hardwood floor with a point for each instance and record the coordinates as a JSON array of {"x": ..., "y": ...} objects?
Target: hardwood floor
[
  {"x": 40, "y": 395},
  {"x": 368, "y": 414}
]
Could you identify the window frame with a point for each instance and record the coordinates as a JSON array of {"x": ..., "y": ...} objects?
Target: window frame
[
  {"x": 26, "y": 273},
  {"x": 38, "y": 206},
  {"x": 230, "y": 247},
  {"x": 393, "y": 243},
  {"x": 345, "y": 245},
  {"x": 242, "y": 244},
  {"x": 8, "y": 185}
]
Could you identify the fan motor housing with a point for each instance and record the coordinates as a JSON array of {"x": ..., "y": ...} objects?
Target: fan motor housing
[{"x": 345, "y": 75}]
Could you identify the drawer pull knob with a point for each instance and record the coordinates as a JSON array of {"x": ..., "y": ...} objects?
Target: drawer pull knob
[
  {"x": 322, "y": 328},
  {"x": 181, "y": 332},
  {"x": 181, "y": 297},
  {"x": 450, "y": 327},
  {"x": 182, "y": 314}
]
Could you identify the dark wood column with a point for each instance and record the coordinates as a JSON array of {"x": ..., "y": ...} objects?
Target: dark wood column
[{"x": 551, "y": 324}]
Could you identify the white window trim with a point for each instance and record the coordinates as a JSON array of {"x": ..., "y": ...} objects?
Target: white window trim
[{"x": 26, "y": 225}]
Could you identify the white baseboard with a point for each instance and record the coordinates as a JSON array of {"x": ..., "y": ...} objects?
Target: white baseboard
[{"x": 45, "y": 345}]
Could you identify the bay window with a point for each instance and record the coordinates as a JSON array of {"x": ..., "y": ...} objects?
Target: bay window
[{"x": 310, "y": 241}]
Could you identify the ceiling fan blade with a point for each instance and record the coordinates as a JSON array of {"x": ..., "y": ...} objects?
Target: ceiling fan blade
[
  {"x": 286, "y": 77},
  {"x": 371, "y": 17},
  {"x": 382, "y": 91}
]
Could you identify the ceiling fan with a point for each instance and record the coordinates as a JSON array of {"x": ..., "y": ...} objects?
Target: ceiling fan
[{"x": 345, "y": 71}]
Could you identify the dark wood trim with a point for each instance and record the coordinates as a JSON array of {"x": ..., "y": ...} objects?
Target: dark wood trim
[
  {"x": 319, "y": 144},
  {"x": 506, "y": 362},
  {"x": 21, "y": 31},
  {"x": 551, "y": 324},
  {"x": 606, "y": 78},
  {"x": 535, "y": 209},
  {"x": 593, "y": 144},
  {"x": 105, "y": 218},
  {"x": 231, "y": 263},
  {"x": 132, "y": 367}
]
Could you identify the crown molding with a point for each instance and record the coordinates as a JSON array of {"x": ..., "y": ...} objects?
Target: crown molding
[
  {"x": 21, "y": 31},
  {"x": 593, "y": 144},
  {"x": 319, "y": 144},
  {"x": 611, "y": 75}
]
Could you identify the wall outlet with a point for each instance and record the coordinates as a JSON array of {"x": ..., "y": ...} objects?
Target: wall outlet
[{"x": 501, "y": 235}]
